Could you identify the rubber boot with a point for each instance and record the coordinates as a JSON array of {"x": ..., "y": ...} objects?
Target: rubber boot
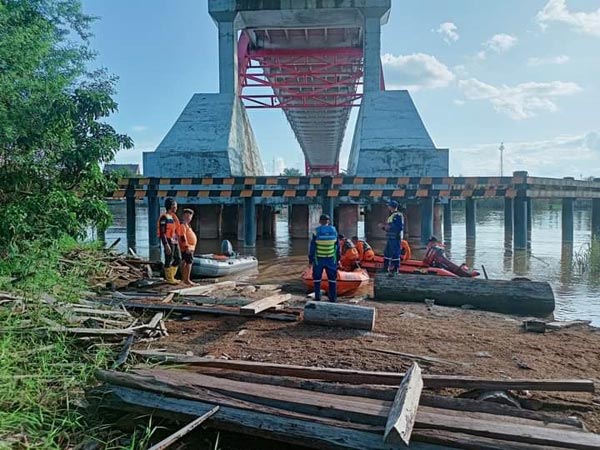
[
  {"x": 317, "y": 291},
  {"x": 332, "y": 292},
  {"x": 170, "y": 275}
]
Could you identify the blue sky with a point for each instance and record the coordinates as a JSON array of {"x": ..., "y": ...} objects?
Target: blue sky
[{"x": 526, "y": 72}]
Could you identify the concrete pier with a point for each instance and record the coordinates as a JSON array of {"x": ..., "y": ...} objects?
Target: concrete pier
[
  {"x": 249, "y": 222},
  {"x": 130, "y": 222},
  {"x": 303, "y": 219},
  {"x": 412, "y": 221},
  {"x": 508, "y": 216},
  {"x": 153, "y": 215},
  {"x": 520, "y": 223},
  {"x": 438, "y": 212},
  {"x": 374, "y": 215},
  {"x": 347, "y": 220},
  {"x": 596, "y": 216},
  {"x": 470, "y": 217},
  {"x": 426, "y": 219},
  {"x": 230, "y": 217},
  {"x": 268, "y": 222},
  {"x": 448, "y": 219},
  {"x": 567, "y": 220},
  {"x": 529, "y": 221},
  {"x": 328, "y": 207}
]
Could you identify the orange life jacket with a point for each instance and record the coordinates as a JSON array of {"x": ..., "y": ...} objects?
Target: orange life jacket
[
  {"x": 406, "y": 252},
  {"x": 169, "y": 223}
]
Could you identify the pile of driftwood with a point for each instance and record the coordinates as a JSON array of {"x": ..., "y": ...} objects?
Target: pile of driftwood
[{"x": 330, "y": 408}]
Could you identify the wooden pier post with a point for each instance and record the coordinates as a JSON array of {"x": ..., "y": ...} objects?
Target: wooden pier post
[
  {"x": 596, "y": 216},
  {"x": 426, "y": 219},
  {"x": 130, "y": 224},
  {"x": 520, "y": 223},
  {"x": 567, "y": 220},
  {"x": 448, "y": 219},
  {"x": 470, "y": 214},
  {"x": 153, "y": 215}
]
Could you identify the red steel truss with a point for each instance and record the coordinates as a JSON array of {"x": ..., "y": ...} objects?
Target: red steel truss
[{"x": 299, "y": 78}]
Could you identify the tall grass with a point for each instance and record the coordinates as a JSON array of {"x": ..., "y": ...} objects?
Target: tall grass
[
  {"x": 42, "y": 375},
  {"x": 586, "y": 261}
]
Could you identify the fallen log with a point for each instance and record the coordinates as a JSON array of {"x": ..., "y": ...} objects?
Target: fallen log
[
  {"x": 403, "y": 413},
  {"x": 511, "y": 297},
  {"x": 308, "y": 433},
  {"x": 339, "y": 315},
  {"x": 368, "y": 377},
  {"x": 264, "y": 304}
]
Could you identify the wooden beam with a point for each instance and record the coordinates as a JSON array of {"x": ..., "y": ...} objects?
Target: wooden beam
[
  {"x": 402, "y": 415},
  {"x": 368, "y": 377},
  {"x": 205, "y": 289},
  {"x": 261, "y": 305},
  {"x": 166, "y": 442}
]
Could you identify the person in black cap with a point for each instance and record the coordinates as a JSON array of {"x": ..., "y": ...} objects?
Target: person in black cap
[
  {"x": 393, "y": 231},
  {"x": 324, "y": 255}
]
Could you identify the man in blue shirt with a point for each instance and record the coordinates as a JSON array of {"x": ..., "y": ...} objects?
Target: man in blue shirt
[
  {"x": 393, "y": 232},
  {"x": 324, "y": 255}
]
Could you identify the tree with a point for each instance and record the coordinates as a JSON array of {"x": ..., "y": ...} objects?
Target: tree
[
  {"x": 291, "y": 172},
  {"x": 52, "y": 135}
]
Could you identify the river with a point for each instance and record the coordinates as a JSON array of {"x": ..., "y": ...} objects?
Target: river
[{"x": 282, "y": 260}]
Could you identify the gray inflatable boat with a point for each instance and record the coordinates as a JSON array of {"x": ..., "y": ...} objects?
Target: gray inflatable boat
[{"x": 219, "y": 266}]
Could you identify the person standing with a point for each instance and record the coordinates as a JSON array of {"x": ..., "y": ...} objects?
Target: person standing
[
  {"x": 393, "y": 230},
  {"x": 324, "y": 255},
  {"x": 168, "y": 229},
  {"x": 187, "y": 244}
]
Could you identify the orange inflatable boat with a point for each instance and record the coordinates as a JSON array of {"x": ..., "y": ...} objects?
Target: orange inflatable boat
[
  {"x": 410, "y": 266},
  {"x": 347, "y": 282}
]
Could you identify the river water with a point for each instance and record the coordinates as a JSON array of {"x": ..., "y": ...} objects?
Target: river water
[{"x": 282, "y": 260}]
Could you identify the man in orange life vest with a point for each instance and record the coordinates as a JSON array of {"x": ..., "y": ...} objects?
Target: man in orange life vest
[
  {"x": 350, "y": 258},
  {"x": 365, "y": 251},
  {"x": 187, "y": 243},
  {"x": 168, "y": 229}
]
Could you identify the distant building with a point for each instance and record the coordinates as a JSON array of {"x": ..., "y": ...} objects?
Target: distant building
[{"x": 128, "y": 169}]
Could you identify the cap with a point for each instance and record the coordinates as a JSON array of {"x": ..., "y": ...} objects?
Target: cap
[
  {"x": 393, "y": 203},
  {"x": 324, "y": 217},
  {"x": 188, "y": 211}
]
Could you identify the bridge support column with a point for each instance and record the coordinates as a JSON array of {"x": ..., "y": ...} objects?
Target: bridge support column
[
  {"x": 470, "y": 217},
  {"x": 596, "y": 216},
  {"x": 227, "y": 57},
  {"x": 567, "y": 219},
  {"x": 130, "y": 224},
  {"x": 437, "y": 219},
  {"x": 268, "y": 222},
  {"x": 520, "y": 223},
  {"x": 426, "y": 219},
  {"x": 303, "y": 219},
  {"x": 529, "y": 221},
  {"x": 508, "y": 216},
  {"x": 372, "y": 52},
  {"x": 229, "y": 220},
  {"x": 329, "y": 208},
  {"x": 208, "y": 220},
  {"x": 249, "y": 222},
  {"x": 347, "y": 220},
  {"x": 448, "y": 219},
  {"x": 374, "y": 215},
  {"x": 412, "y": 221},
  {"x": 153, "y": 215}
]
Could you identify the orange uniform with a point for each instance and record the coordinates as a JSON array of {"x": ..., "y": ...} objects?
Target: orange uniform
[
  {"x": 365, "y": 252},
  {"x": 168, "y": 227},
  {"x": 187, "y": 238},
  {"x": 350, "y": 257}
]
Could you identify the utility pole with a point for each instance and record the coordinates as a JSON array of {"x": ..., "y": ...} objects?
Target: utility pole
[{"x": 502, "y": 159}]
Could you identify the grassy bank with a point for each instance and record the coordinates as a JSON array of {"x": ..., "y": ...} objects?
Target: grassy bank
[
  {"x": 42, "y": 374},
  {"x": 586, "y": 260}
]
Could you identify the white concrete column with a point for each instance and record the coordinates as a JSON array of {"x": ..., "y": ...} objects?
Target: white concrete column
[
  {"x": 227, "y": 58},
  {"x": 372, "y": 53}
]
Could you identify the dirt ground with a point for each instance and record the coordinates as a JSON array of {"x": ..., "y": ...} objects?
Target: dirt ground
[{"x": 467, "y": 342}]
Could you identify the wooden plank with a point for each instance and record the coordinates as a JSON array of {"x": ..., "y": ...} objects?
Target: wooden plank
[
  {"x": 155, "y": 321},
  {"x": 94, "y": 331},
  {"x": 470, "y": 442},
  {"x": 368, "y": 377},
  {"x": 311, "y": 434},
  {"x": 168, "y": 298},
  {"x": 402, "y": 415},
  {"x": 360, "y": 410},
  {"x": 166, "y": 442},
  {"x": 556, "y": 325},
  {"x": 264, "y": 304},
  {"x": 124, "y": 353},
  {"x": 205, "y": 289},
  {"x": 340, "y": 315}
]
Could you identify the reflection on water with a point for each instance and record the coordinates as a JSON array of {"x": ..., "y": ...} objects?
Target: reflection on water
[{"x": 282, "y": 259}]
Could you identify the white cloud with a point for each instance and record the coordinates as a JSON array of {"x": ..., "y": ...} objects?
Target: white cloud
[
  {"x": 561, "y": 59},
  {"x": 139, "y": 128},
  {"x": 459, "y": 102},
  {"x": 559, "y": 156},
  {"x": 557, "y": 11},
  {"x": 461, "y": 70},
  {"x": 449, "y": 32},
  {"x": 416, "y": 71},
  {"x": 481, "y": 55},
  {"x": 522, "y": 101},
  {"x": 500, "y": 43}
]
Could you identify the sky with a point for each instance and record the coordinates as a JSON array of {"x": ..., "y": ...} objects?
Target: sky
[{"x": 522, "y": 72}]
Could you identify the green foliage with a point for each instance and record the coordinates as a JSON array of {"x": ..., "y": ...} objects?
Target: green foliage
[
  {"x": 291, "y": 172},
  {"x": 52, "y": 138},
  {"x": 586, "y": 261}
]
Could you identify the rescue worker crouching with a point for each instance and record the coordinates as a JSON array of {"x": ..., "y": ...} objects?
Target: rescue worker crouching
[
  {"x": 168, "y": 229},
  {"x": 365, "y": 251},
  {"x": 393, "y": 229},
  {"x": 350, "y": 258},
  {"x": 324, "y": 255},
  {"x": 187, "y": 244}
]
